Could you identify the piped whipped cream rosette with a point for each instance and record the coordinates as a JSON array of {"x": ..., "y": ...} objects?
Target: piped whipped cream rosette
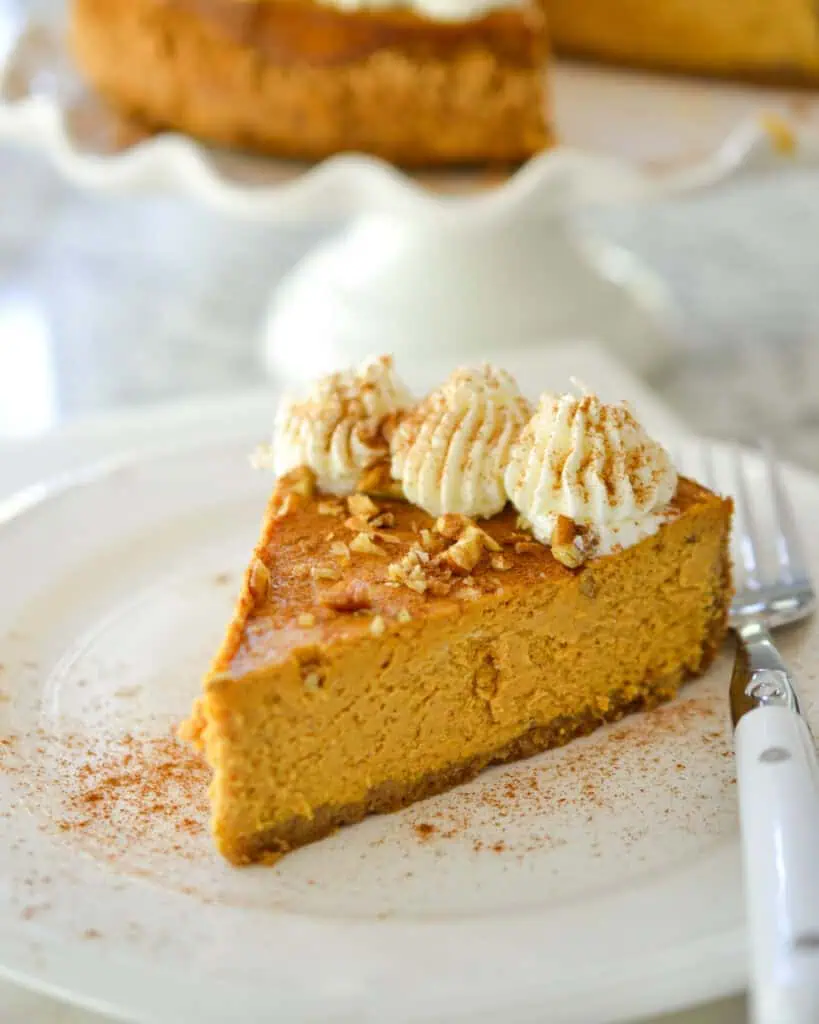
[
  {"x": 342, "y": 425},
  {"x": 450, "y": 453},
  {"x": 587, "y": 479}
]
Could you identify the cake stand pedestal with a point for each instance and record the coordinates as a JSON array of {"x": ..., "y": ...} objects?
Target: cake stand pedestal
[{"x": 434, "y": 292}]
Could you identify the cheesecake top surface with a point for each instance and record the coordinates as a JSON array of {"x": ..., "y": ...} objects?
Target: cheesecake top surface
[
  {"x": 390, "y": 510},
  {"x": 324, "y": 573}
]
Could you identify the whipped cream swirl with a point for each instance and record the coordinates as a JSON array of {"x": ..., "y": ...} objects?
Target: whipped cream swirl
[
  {"x": 342, "y": 425},
  {"x": 594, "y": 464},
  {"x": 451, "y": 451}
]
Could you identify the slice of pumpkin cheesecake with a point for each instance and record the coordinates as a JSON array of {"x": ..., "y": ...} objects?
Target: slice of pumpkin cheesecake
[{"x": 387, "y": 648}]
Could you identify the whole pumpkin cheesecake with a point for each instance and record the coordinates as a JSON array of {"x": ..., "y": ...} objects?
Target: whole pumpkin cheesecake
[
  {"x": 418, "y": 82},
  {"x": 444, "y": 585}
]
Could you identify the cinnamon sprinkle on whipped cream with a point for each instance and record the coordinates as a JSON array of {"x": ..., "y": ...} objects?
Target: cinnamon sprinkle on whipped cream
[
  {"x": 591, "y": 463},
  {"x": 342, "y": 425},
  {"x": 584, "y": 475}
]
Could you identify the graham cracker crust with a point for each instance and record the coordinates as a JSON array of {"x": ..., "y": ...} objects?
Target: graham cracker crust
[{"x": 270, "y": 845}]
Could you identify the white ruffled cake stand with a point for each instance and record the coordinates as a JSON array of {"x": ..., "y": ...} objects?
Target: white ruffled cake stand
[{"x": 447, "y": 266}]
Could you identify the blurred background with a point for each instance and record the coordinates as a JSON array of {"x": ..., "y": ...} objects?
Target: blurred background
[{"x": 111, "y": 301}]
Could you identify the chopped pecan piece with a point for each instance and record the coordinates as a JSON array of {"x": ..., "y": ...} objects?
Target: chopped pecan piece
[
  {"x": 338, "y": 549},
  {"x": 377, "y": 480},
  {"x": 567, "y": 543},
  {"x": 385, "y": 538},
  {"x": 361, "y": 505},
  {"x": 358, "y": 524},
  {"x": 293, "y": 490},
  {"x": 363, "y": 544},
  {"x": 452, "y": 525},
  {"x": 465, "y": 553},
  {"x": 300, "y": 481},
  {"x": 383, "y": 521},
  {"x": 286, "y": 504},
  {"x": 409, "y": 572},
  {"x": 518, "y": 537},
  {"x": 324, "y": 572},
  {"x": 431, "y": 542},
  {"x": 489, "y": 542},
  {"x": 259, "y": 581},
  {"x": 352, "y": 597}
]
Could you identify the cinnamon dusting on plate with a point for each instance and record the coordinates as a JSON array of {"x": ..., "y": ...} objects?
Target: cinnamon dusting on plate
[
  {"x": 136, "y": 781},
  {"x": 479, "y": 814}
]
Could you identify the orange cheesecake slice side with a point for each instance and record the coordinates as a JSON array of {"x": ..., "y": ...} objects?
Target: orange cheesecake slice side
[{"x": 357, "y": 677}]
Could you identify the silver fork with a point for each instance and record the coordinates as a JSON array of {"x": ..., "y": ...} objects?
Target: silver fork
[{"x": 777, "y": 767}]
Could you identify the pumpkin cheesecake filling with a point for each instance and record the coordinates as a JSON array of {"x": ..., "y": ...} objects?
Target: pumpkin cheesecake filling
[{"x": 382, "y": 651}]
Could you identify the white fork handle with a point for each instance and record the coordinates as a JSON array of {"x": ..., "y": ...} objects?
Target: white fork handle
[{"x": 778, "y": 779}]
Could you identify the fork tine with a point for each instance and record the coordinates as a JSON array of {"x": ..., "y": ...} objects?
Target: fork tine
[
  {"x": 788, "y": 546},
  {"x": 748, "y": 535}
]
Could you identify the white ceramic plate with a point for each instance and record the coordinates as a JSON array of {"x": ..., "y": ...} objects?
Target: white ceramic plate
[{"x": 593, "y": 883}]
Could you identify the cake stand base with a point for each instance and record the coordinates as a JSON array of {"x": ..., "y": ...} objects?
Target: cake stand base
[{"x": 451, "y": 292}]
